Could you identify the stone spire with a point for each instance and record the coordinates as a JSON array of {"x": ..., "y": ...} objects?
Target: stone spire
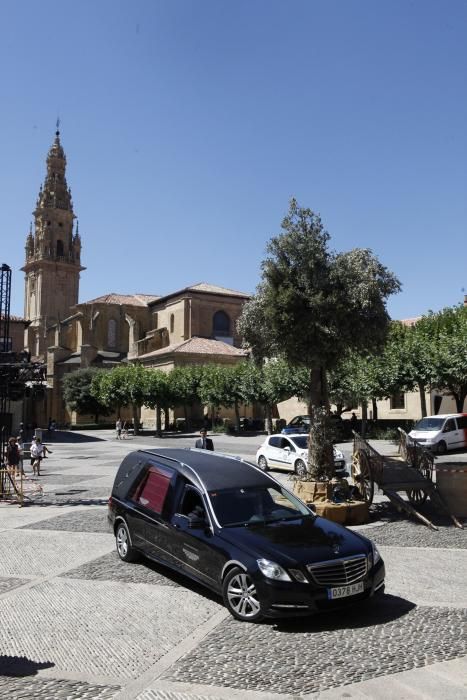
[{"x": 53, "y": 253}]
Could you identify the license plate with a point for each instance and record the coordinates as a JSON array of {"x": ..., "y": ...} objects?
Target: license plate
[{"x": 344, "y": 591}]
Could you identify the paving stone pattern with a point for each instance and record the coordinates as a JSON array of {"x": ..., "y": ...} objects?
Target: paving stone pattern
[
  {"x": 111, "y": 568},
  {"x": 172, "y": 695},
  {"x": 107, "y": 629},
  {"x": 409, "y": 534},
  {"x": 7, "y": 584},
  {"x": 314, "y": 656},
  {"x": 43, "y": 553},
  {"x": 34, "y": 688},
  {"x": 93, "y": 519},
  {"x": 53, "y": 478}
]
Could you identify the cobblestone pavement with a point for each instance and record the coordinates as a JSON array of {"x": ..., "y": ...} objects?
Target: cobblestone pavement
[
  {"x": 79, "y": 623},
  {"x": 324, "y": 653}
]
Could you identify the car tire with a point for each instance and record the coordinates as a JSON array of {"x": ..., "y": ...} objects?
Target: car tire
[
  {"x": 123, "y": 542},
  {"x": 441, "y": 448},
  {"x": 300, "y": 468},
  {"x": 263, "y": 463},
  {"x": 240, "y": 596}
]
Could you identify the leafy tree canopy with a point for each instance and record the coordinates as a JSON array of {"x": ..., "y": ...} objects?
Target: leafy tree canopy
[{"x": 78, "y": 396}]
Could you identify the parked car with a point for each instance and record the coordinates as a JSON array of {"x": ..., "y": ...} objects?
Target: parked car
[
  {"x": 441, "y": 433},
  {"x": 290, "y": 452},
  {"x": 299, "y": 424},
  {"x": 228, "y": 525}
]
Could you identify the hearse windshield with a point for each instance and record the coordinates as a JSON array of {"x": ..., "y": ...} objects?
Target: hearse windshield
[
  {"x": 256, "y": 505},
  {"x": 430, "y": 424}
]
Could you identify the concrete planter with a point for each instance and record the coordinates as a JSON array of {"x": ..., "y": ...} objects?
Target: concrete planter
[
  {"x": 451, "y": 480},
  {"x": 318, "y": 493}
]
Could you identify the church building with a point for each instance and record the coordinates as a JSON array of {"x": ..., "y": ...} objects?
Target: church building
[{"x": 193, "y": 325}]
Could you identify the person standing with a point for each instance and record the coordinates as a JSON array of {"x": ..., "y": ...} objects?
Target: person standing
[
  {"x": 118, "y": 428},
  {"x": 204, "y": 443},
  {"x": 13, "y": 457}
]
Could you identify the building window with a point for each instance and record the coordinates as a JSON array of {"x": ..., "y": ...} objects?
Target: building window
[
  {"x": 397, "y": 401},
  {"x": 60, "y": 251},
  {"x": 172, "y": 323},
  {"x": 155, "y": 320},
  {"x": 220, "y": 324},
  {"x": 112, "y": 333}
]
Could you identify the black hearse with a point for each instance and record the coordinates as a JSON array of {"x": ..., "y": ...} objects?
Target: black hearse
[{"x": 235, "y": 529}]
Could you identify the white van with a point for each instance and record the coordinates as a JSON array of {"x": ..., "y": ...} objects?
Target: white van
[{"x": 442, "y": 433}]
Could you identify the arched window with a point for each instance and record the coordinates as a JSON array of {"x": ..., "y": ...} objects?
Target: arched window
[
  {"x": 220, "y": 324},
  {"x": 60, "y": 251},
  {"x": 112, "y": 333},
  {"x": 172, "y": 323}
]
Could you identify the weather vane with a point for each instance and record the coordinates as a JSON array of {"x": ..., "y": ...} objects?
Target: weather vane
[{"x": 58, "y": 124}]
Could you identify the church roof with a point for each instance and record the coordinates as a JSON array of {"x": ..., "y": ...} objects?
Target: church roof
[
  {"x": 128, "y": 299},
  {"x": 198, "y": 346},
  {"x": 205, "y": 288}
]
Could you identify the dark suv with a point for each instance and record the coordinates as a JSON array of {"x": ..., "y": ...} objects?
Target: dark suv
[{"x": 235, "y": 529}]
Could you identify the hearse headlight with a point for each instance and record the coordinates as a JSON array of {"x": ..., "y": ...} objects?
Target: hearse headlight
[
  {"x": 271, "y": 570},
  {"x": 376, "y": 556}
]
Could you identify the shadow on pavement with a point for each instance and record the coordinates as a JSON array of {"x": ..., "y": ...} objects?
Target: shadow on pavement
[
  {"x": 378, "y": 611},
  {"x": 68, "y": 436},
  {"x": 21, "y": 666}
]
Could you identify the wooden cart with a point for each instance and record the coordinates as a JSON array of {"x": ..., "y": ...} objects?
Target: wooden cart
[{"x": 410, "y": 471}]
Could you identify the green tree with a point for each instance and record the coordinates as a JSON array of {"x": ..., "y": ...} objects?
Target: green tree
[
  {"x": 158, "y": 394},
  {"x": 449, "y": 336},
  {"x": 184, "y": 388},
  {"x": 224, "y": 385},
  {"x": 124, "y": 385},
  {"x": 78, "y": 396},
  {"x": 318, "y": 305}
]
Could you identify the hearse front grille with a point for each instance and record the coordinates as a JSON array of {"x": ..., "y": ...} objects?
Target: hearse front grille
[{"x": 340, "y": 572}]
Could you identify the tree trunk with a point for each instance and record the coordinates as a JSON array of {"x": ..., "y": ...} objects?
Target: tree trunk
[
  {"x": 237, "y": 416},
  {"x": 421, "y": 389},
  {"x": 187, "y": 419},
  {"x": 134, "y": 410},
  {"x": 374, "y": 408},
  {"x": 320, "y": 450},
  {"x": 158, "y": 421},
  {"x": 268, "y": 416},
  {"x": 364, "y": 417}
]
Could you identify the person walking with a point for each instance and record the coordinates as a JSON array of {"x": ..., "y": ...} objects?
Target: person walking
[
  {"x": 118, "y": 428},
  {"x": 20, "y": 443},
  {"x": 13, "y": 457},
  {"x": 204, "y": 443},
  {"x": 38, "y": 452}
]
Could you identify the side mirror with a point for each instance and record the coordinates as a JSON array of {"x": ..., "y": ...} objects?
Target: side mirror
[{"x": 287, "y": 449}]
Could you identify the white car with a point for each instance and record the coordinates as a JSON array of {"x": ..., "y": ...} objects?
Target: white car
[{"x": 289, "y": 452}]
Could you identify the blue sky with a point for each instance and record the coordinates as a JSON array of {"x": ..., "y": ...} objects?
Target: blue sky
[{"x": 189, "y": 124}]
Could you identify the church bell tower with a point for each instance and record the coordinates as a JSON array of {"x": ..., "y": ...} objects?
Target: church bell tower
[{"x": 53, "y": 255}]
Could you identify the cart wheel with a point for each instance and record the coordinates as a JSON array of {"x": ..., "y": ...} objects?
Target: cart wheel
[
  {"x": 361, "y": 474},
  {"x": 417, "y": 496}
]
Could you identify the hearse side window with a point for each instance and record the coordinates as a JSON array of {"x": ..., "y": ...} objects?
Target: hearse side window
[
  {"x": 191, "y": 502},
  {"x": 275, "y": 441},
  {"x": 152, "y": 491}
]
